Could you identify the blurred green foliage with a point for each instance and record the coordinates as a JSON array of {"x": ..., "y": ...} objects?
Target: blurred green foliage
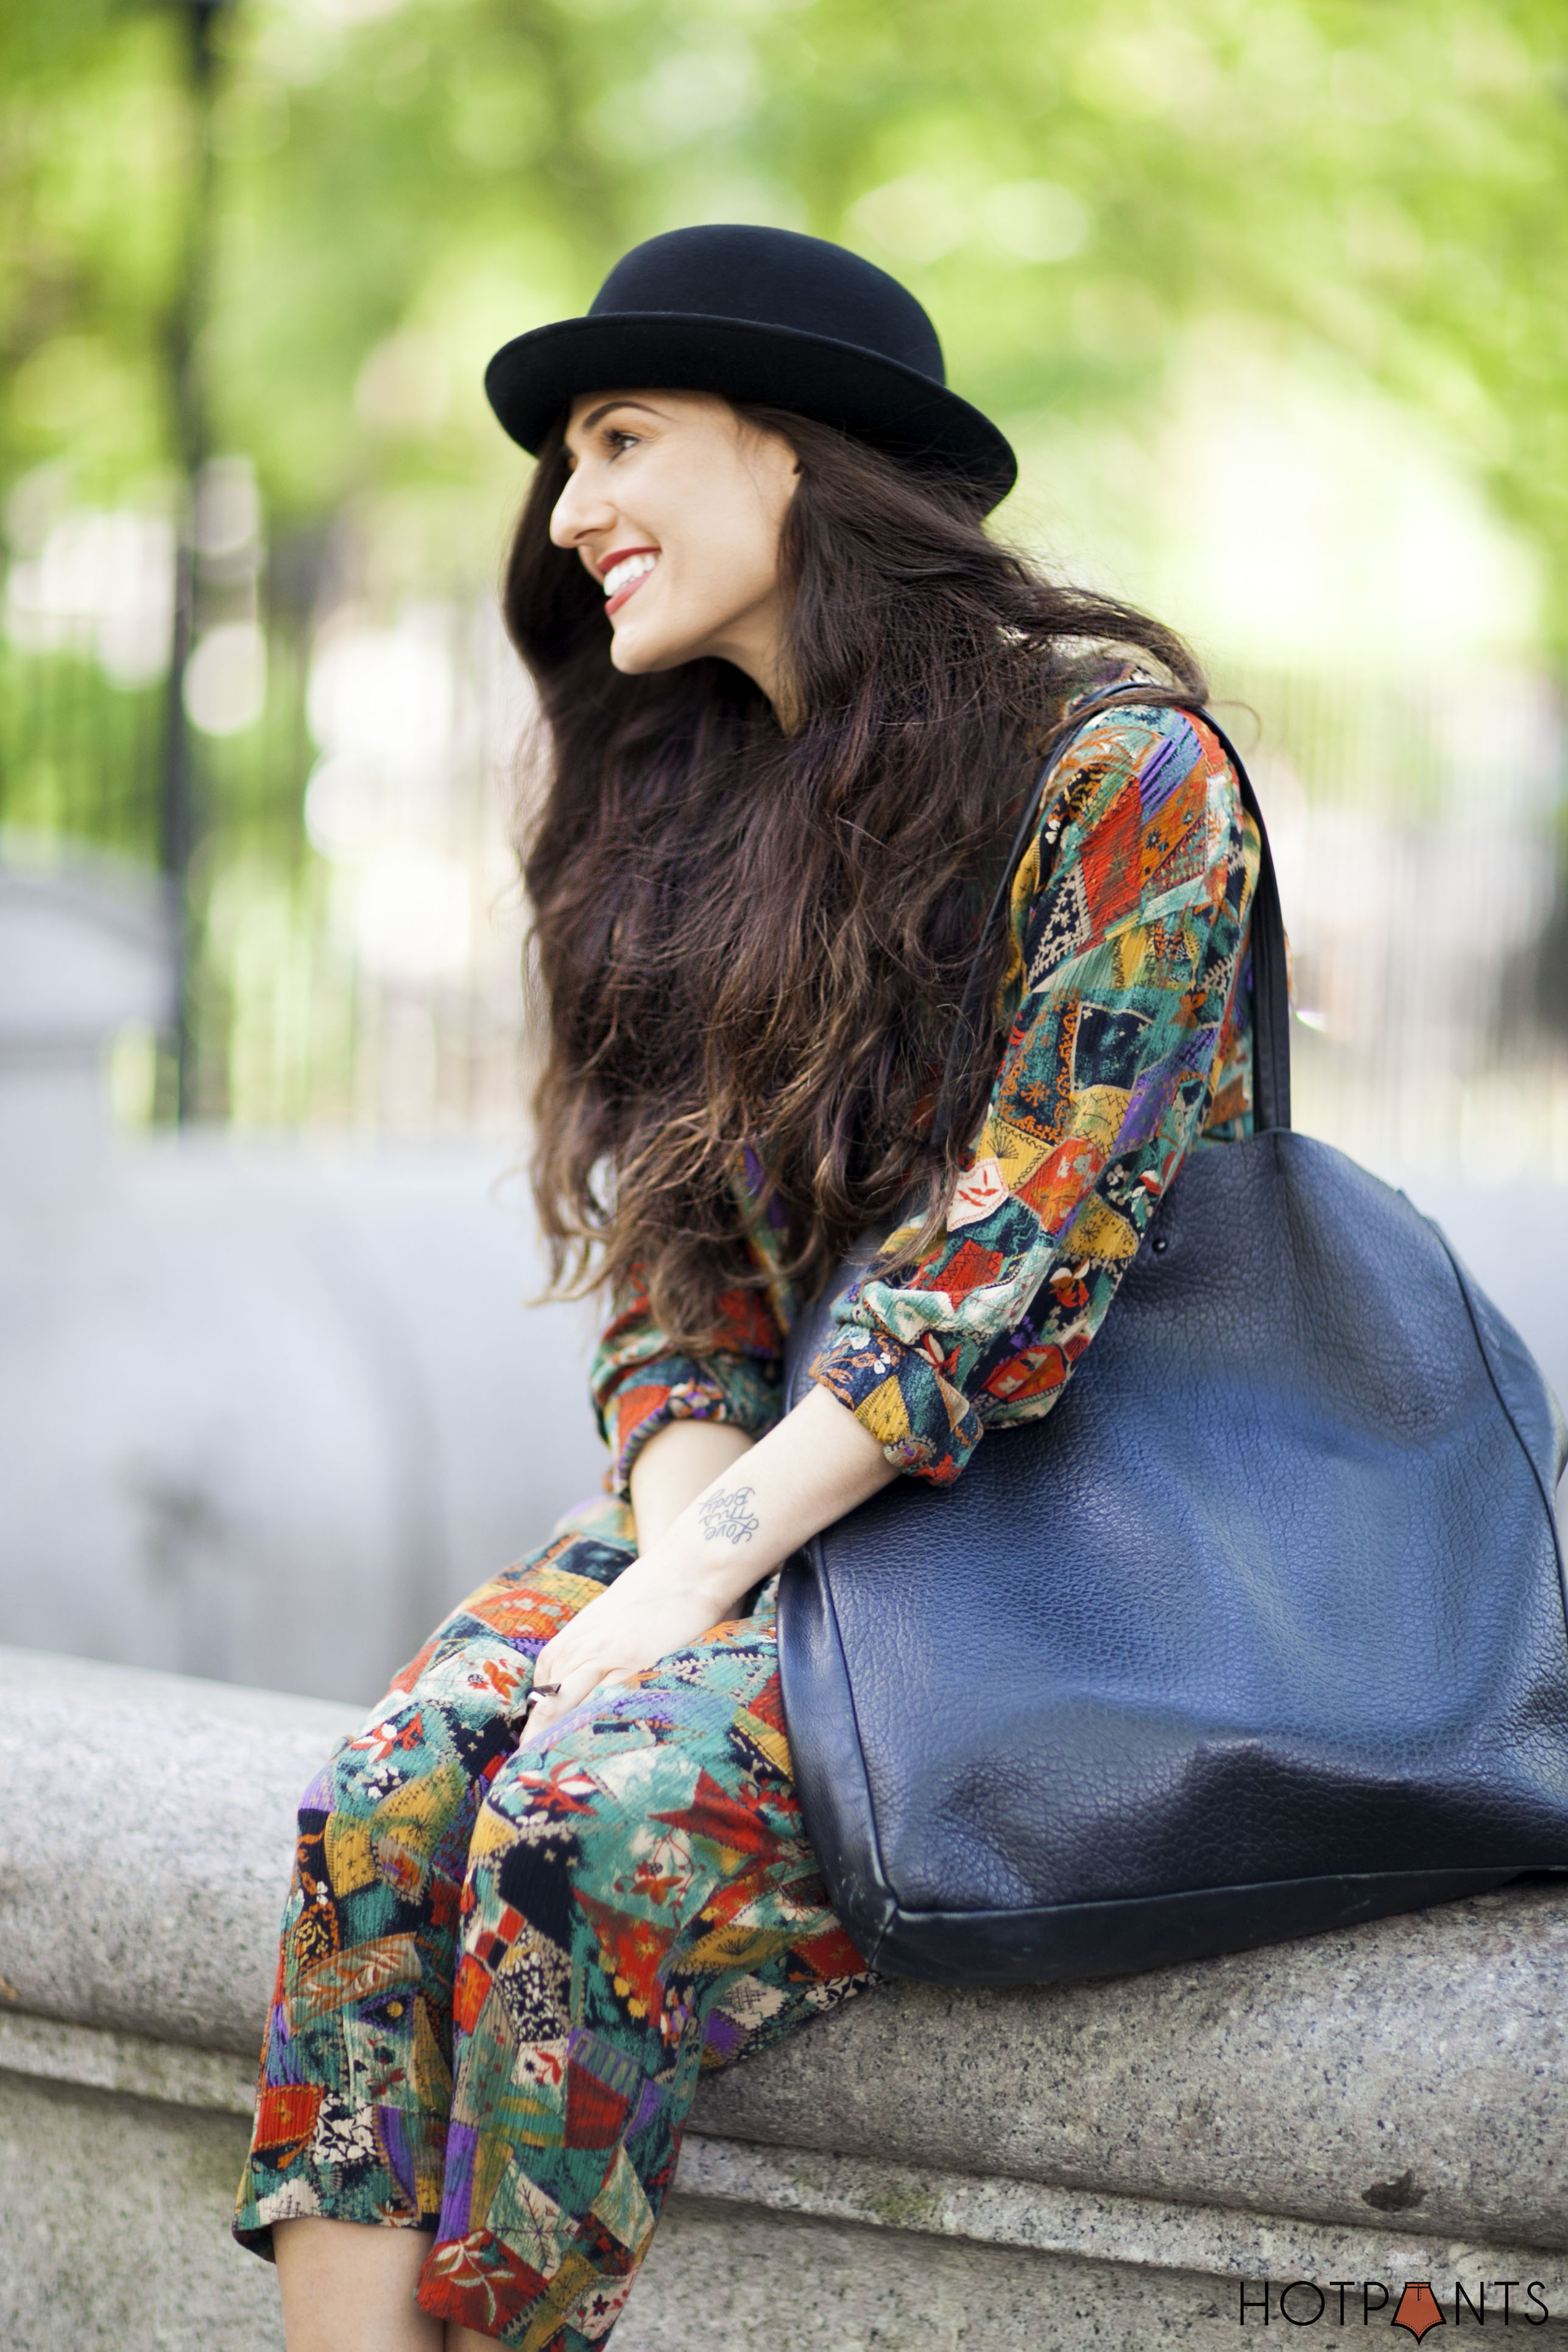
[
  {"x": 79, "y": 755},
  {"x": 400, "y": 187},
  {"x": 1098, "y": 204}
]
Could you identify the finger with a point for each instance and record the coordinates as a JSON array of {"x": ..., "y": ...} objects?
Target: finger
[
  {"x": 554, "y": 1676},
  {"x": 553, "y": 1664},
  {"x": 564, "y": 1650},
  {"x": 577, "y": 1684}
]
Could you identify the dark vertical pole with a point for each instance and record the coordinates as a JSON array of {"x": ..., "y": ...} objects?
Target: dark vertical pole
[{"x": 179, "y": 827}]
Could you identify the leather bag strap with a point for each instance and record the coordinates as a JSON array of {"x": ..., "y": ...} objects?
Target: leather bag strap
[{"x": 1270, "y": 984}]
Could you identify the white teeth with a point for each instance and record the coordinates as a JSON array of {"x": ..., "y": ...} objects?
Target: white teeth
[{"x": 620, "y": 575}]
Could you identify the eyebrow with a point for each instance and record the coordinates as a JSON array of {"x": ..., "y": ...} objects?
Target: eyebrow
[{"x": 595, "y": 415}]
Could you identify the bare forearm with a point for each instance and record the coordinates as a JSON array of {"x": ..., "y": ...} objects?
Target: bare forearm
[
  {"x": 673, "y": 1468},
  {"x": 757, "y": 1508},
  {"x": 816, "y": 1464}
]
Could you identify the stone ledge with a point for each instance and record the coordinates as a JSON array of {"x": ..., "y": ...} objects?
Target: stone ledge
[
  {"x": 1354, "y": 2090},
  {"x": 146, "y": 1833},
  {"x": 1412, "y": 2067},
  {"x": 1128, "y": 2231},
  {"x": 128, "y": 2064},
  {"x": 1223, "y": 2243}
]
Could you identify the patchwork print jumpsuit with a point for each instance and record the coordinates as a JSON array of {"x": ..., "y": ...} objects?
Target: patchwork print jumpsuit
[{"x": 501, "y": 1972}]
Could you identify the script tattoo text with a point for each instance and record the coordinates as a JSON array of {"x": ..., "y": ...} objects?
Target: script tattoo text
[{"x": 726, "y": 1514}]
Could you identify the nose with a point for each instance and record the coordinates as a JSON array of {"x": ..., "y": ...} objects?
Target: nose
[{"x": 581, "y": 513}]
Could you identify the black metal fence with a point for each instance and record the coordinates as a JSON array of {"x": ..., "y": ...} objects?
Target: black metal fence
[
  {"x": 82, "y": 763},
  {"x": 80, "y": 758},
  {"x": 355, "y": 929}
]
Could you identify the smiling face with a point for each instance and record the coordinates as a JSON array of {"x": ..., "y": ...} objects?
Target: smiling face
[{"x": 674, "y": 504}]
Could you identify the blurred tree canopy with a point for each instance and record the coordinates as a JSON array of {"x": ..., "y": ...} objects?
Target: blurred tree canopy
[{"x": 400, "y": 187}]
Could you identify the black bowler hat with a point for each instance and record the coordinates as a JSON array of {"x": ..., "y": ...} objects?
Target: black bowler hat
[{"x": 758, "y": 314}]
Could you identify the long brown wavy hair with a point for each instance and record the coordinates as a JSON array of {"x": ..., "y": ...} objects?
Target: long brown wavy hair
[{"x": 750, "y": 937}]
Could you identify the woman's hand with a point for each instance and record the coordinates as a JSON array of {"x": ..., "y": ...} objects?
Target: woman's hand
[
  {"x": 649, "y": 1610},
  {"x": 816, "y": 1465}
]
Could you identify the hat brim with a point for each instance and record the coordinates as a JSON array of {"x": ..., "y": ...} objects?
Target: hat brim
[{"x": 531, "y": 380}]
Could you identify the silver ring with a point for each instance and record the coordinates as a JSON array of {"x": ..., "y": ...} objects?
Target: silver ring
[{"x": 543, "y": 1690}]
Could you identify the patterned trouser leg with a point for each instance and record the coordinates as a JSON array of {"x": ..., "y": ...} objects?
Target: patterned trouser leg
[{"x": 635, "y": 1898}]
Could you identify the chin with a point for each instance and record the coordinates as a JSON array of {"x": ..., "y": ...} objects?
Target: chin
[
  {"x": 626, "y": 656},
  {"x": 637, "y": 653}
]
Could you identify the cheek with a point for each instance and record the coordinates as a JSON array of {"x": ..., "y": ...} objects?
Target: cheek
[
  {"x": 720, "y": 542},
  {"x": 720, "y": 589},
  {"x": 736, "y": 565}
]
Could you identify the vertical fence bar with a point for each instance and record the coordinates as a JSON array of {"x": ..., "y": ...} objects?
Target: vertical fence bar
[{"x": 180, "y": 817}]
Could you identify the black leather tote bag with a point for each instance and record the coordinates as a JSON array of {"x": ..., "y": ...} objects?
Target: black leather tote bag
[{"x": 1259, "y": 1631}]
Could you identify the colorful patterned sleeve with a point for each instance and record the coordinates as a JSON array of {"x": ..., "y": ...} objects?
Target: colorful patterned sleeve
[
  {"x": 1129, "y": 920},
  {"x": 640, "y": 1381}
]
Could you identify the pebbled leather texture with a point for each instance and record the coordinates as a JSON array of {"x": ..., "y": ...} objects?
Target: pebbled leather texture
[{"x": 1261, "y": 1630}]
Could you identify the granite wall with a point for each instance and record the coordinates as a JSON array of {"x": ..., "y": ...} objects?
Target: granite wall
[{"x": 1147, "y": 2162}]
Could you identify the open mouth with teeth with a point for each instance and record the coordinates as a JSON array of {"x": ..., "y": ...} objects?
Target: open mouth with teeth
[{"x": 627, "y": 574}]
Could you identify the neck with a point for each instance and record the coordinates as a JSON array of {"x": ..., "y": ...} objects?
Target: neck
[
  {"x": 767, "y": 663},
  {"x": 784, "y": 696}
]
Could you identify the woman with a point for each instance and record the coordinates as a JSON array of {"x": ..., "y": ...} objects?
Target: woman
[{"x": 795, "y": 697}]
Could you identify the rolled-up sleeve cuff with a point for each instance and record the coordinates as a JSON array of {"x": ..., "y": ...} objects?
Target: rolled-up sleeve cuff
[
  {"x": 732, "y": 1389},
  {"x": 923, "y": 1424}
]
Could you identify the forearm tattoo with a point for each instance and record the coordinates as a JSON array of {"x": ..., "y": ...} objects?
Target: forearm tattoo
[{"x": 726, "y": 1514}]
